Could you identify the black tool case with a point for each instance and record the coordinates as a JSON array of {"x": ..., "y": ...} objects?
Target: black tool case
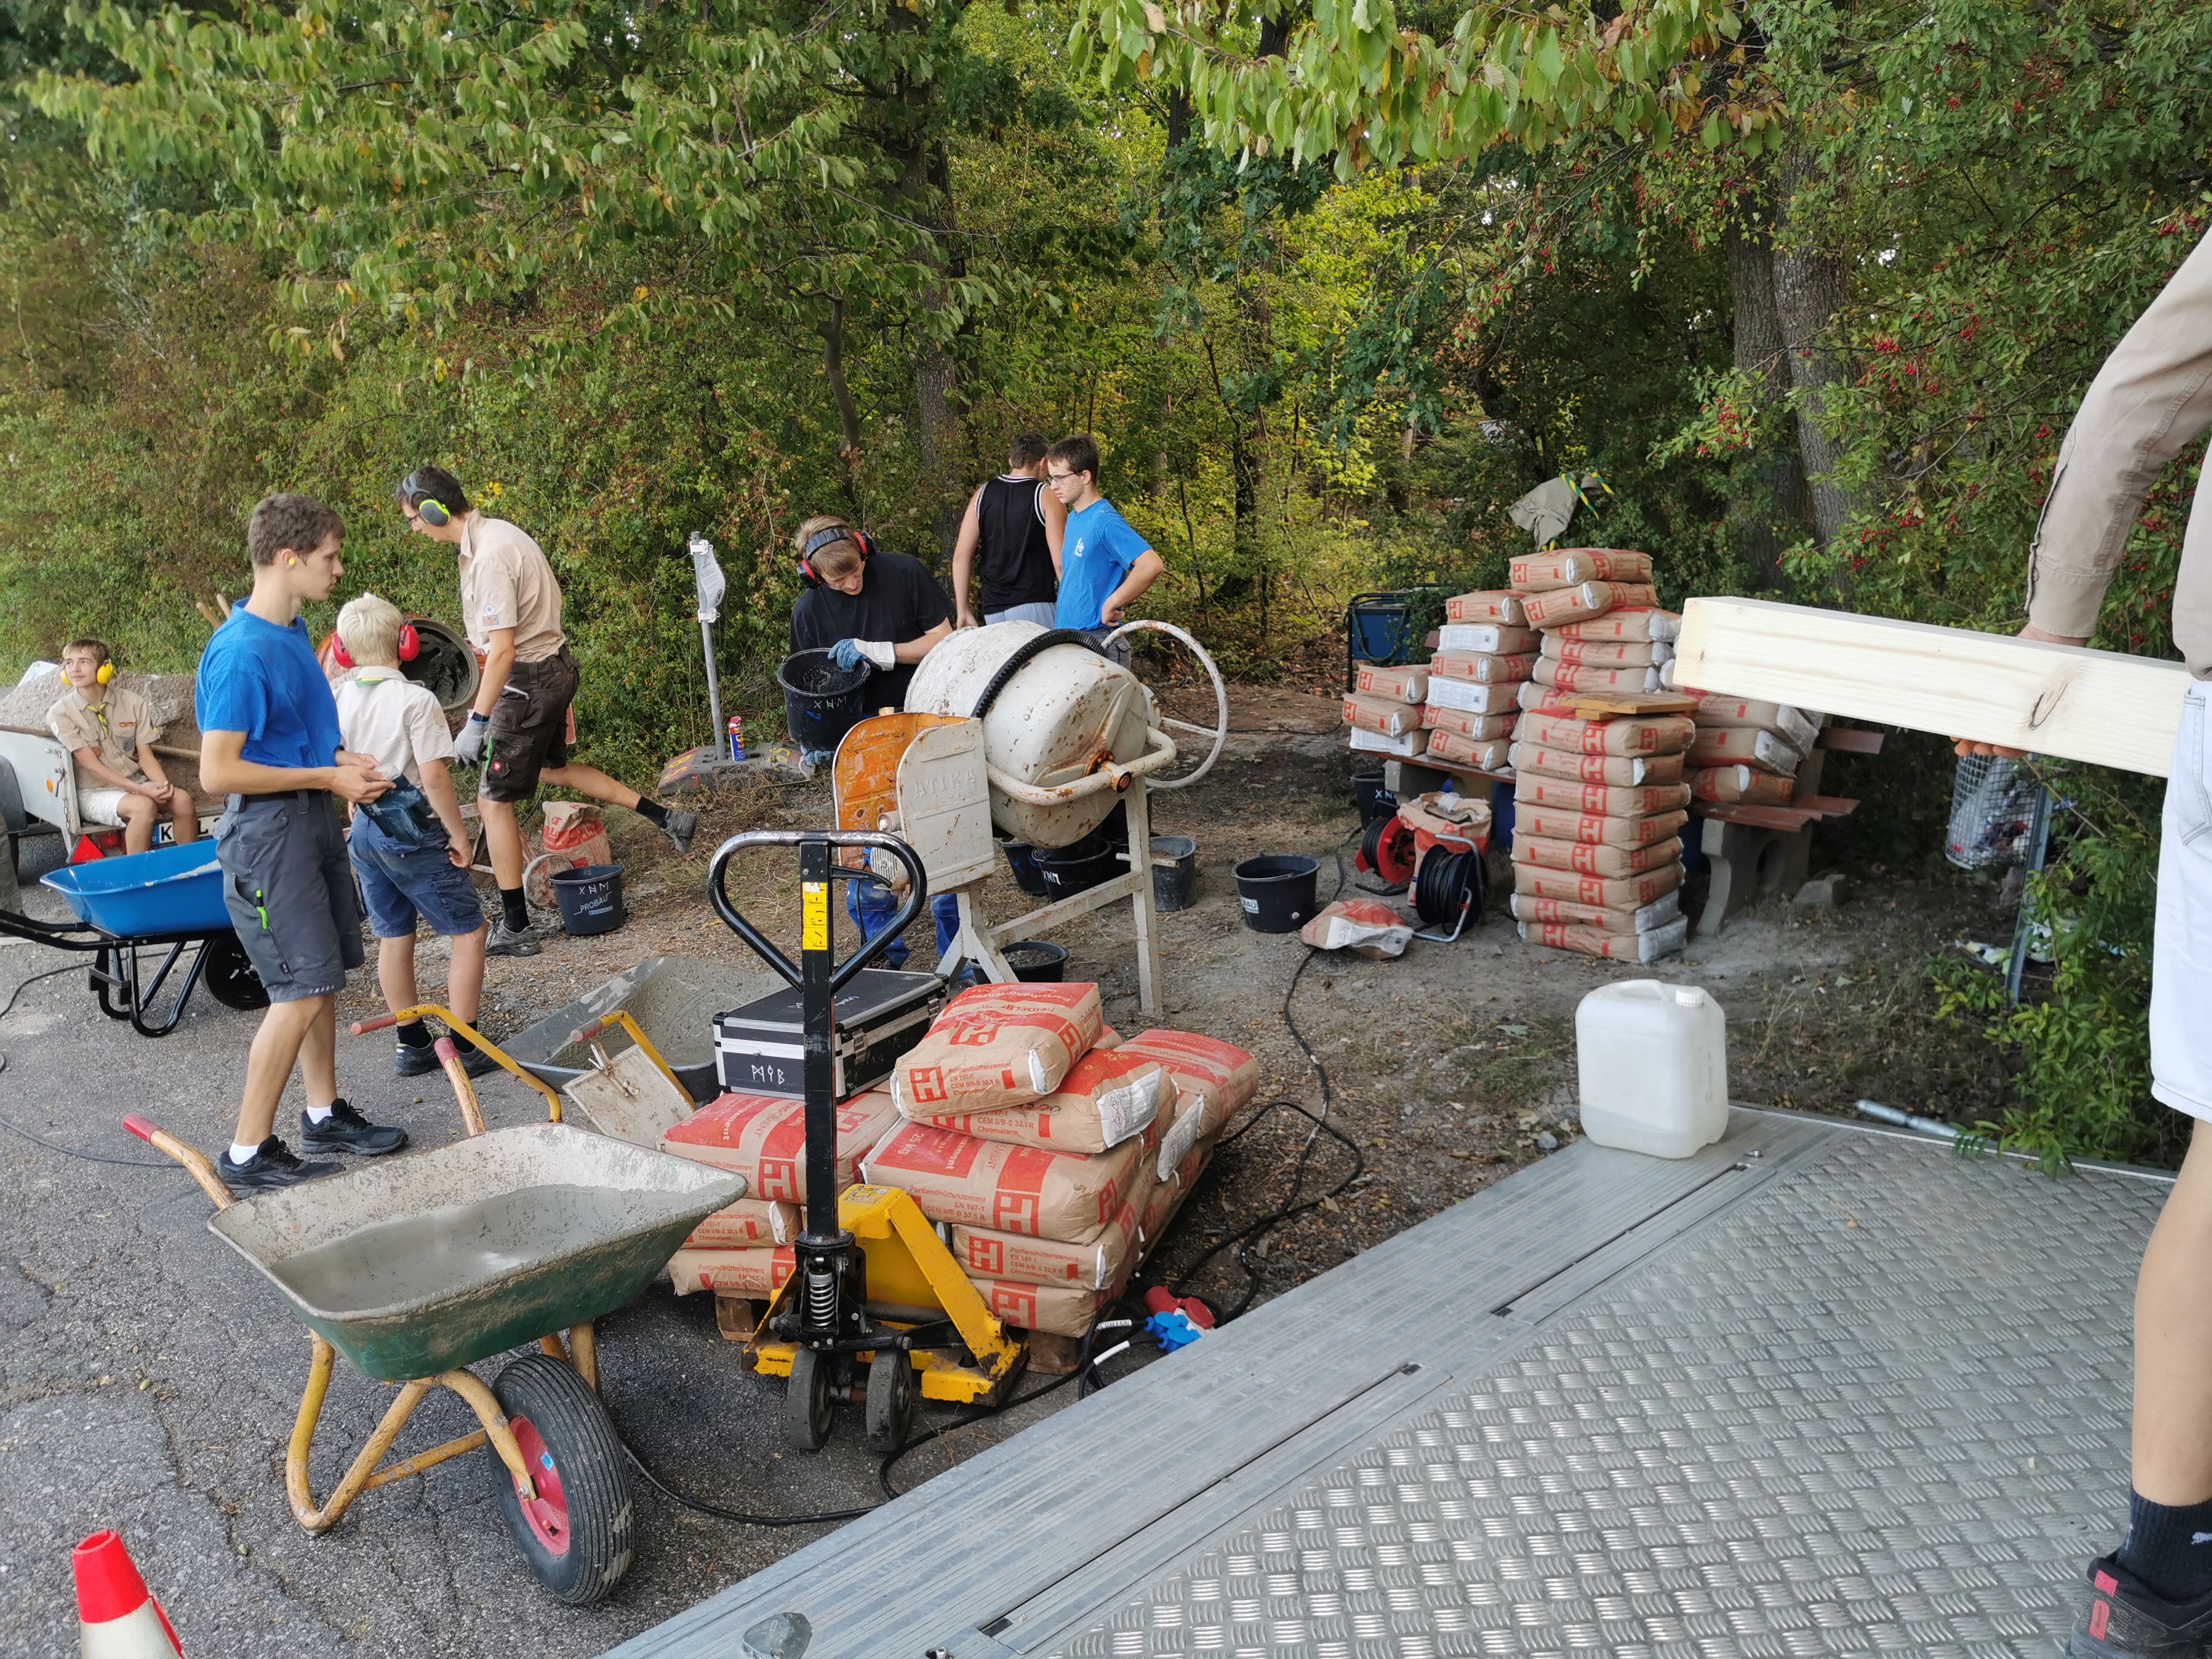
[{"x": 760, "y": 1048}]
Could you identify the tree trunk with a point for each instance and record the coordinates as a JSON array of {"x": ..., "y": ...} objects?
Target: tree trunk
[
  {"x": 1811, "y": 287},
  {"x": 832, "y": 331},
  {"x": 936, "y": 374},
  {"x": 1771, "y": 513}
]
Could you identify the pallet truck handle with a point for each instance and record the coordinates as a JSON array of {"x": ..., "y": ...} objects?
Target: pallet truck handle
[{"x": 718, "y": 894}]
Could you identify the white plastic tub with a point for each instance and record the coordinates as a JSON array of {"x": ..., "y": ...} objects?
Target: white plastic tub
[{"x": 1654, "y": 1063}]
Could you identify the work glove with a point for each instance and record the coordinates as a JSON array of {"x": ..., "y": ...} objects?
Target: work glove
[
  {"x": 847, "y": 654},
  {"x": 476, "y": 737}
]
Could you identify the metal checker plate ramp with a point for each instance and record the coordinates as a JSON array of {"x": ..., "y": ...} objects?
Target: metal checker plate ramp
[{"x": 1879, "y": 1406}]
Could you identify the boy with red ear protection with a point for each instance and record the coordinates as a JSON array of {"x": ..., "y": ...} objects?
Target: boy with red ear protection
[{"x": 110, "y": 733}]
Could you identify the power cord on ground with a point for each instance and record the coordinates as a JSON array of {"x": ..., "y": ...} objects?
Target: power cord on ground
[{"x": 8, "y": 1007}]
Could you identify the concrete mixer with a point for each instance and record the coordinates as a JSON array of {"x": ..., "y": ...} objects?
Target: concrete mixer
[{"x": 1042, "y": 734}]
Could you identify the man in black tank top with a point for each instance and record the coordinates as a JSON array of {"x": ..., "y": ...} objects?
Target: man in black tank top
[{"x": 1015, "y": 523}]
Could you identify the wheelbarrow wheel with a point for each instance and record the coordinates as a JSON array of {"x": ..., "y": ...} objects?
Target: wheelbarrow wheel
[
  {"x": 890, "y": 1400},
  {"x": 576, "y": 1534},
  {"x": 229, "y": 975},
  {"x": 806, "y": 1401}
]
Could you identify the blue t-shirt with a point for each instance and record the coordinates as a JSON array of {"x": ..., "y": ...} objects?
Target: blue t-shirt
[
  {"x": 1095, "y": 557},
  {"x": 263, "y": 680}
]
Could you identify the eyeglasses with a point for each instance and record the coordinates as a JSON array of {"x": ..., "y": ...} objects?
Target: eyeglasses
[{"x": 1061, "y": 478}]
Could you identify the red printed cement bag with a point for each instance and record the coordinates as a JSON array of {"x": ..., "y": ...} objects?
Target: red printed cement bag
[
  {"x": 1548, "y": 823},
  {"x": 1657, "y": 914},
  {"x": 1567, "y": 605},
  {"x": 1587, "y": 859},
  {"x": 1584, "y": 677},
  {"x": 1008, "y": 1190},
  {"x": 1629, "y": 622},
  {"x": 1103, "y": 1100},
  {"x": 1667, "y": 734},
  {"x": 755, "y": 1274},
  {"x": 1538, "y": 698},
  {"x": 997, "y": 1045},
  {"x": 1717, "y": 745},
  {"x": 1541, "y": 572},
  {"x": 1596, "y": 769},
  {"x": 1483, "y": 669},
  {"x": 763, "y": 1139},
  {"x": 1605, "y": 654},
  {"x": 1795, "y": 724},
  {"x": 1450, "y": 747},
  {"x": 1471, "y": 698},
  {"x": 1367, "y": 926},
  {"x": 1540, "y": 789},
  {"x": 1493, "y": 638},
  {"x": 1102, "y": 1264},
  {"x": 1055, "y": 1310},
  {"x": 1491, "y": 605},
  {"x": 1746, "y": 784},
  {"x": 750, "y": 1221},
  {"x": 1626, "y": 947},
  {"x": 1223, "y": 1075},
  {"x": 1387, "y": 716},
  {"x": 1403, "y": 684},
  {"x": 1477, "y": 728},
  {"x": 1608, "y": 893}
]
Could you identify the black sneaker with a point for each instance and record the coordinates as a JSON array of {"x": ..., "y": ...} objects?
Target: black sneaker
[
  {"x": 271, "y": 1166},
  {"x": 346, "y": 1130},
  {"x": 680, "y": 828},
  {"x": 411, "y": 1061},
  {"x": 2124, "y": 1617},
  {"x": 474, "y": 1060},
  {"x": 506, "y": 941}
]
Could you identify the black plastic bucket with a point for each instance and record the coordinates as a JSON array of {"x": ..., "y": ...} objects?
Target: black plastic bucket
[
  {"x": 1021, "y": 859},
  {"x": 821, "y": 701},
  {"x": 1175, "y": 871},
  {"x": 1277, "y": 891},
  {"x": 1067, "y": 874},
  {"x": 591, "y": 899},
  {"x": 1036, "y": 961},
  {"x": 1373, "y": 801}
]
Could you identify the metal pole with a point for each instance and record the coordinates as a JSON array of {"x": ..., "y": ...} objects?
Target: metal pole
[
  {"x": 819, "y": 1001},
  {"x": 2039, "y": 841},
  {"x": 721, "y": 738}
]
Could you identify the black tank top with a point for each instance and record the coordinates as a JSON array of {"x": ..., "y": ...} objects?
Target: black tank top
[{"x": 1015, "y": 560}]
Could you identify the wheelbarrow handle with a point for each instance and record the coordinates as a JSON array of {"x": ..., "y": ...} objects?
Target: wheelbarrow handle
[
  {"x": 195, "y": 1160},
  {"x": 718, "y": 893},
  {"x": 363, "y": 1027}
]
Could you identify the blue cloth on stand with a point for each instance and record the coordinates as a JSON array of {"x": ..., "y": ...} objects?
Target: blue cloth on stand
[{"x": 871, "y": 905}]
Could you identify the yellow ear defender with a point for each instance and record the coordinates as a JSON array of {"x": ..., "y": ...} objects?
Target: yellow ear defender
[{"x": 107, "y": 672}]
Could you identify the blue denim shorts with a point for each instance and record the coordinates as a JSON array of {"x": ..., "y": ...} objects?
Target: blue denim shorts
[{"x": 401, "y": 883}]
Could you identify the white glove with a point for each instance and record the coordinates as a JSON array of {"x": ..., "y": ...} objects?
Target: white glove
[
  {"x": 469, "y": 747},
  {"x": 882, "y": 652}
]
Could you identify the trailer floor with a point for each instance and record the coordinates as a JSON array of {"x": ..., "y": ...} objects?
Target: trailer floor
[{"x": 1817, "y": 1390}]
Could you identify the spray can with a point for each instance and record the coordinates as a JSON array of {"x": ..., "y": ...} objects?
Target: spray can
[{"x": 736, "y": 737}]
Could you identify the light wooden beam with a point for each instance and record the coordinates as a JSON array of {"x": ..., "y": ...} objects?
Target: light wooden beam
[{"x": 2095, "y": 706}]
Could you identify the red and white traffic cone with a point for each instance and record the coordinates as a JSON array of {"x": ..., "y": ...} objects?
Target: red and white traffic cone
[{"x": 117, "y": 1617}]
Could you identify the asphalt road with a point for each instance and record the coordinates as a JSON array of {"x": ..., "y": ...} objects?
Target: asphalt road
[{"x": 149, "y": 1380}]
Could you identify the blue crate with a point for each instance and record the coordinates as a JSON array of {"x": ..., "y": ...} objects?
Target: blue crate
[{"x": 171, "y": 889}]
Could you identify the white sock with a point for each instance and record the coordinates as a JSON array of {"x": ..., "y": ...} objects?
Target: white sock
[
  {"x": 242, "y": 1151},
  {"x": 320, "y": 1113}
]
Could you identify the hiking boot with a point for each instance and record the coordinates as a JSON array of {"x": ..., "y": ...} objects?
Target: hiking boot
[
  {"x": 680, "y": 828},
  {"x": 506, "y": 941},
  {"x": 271, "y": 1166},
  {"x": 2124, "y": 1617},
  {"x": 346, "y": 1130}
]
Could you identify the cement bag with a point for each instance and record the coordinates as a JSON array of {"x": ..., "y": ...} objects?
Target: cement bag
[
  {"x": 1367, "y": 926},
  {"x": 1590, "y": 859},
  {"x": 1657, "y": 914},
  {"x": 1605, "y": 654},
  {"x": 763, "y": 1139},
  {"x": 1717, "y": 745},
  {"x": 1106, "y": 1098},
  {"x": 1549, "y": 823},
  {"x": 1587, "y": 677},
  {"x": 1185, "y": 1131},
  {"x": 1584, "y": 599},
  {"x": 756, "y": 1275},
  {"x": 1223, "y": 1076},
  {"x": 748, "y": 1222},
  {"x": 1481, "y": 667},
  {"x": 1055, "y": 1310},
  {"x": 1476, "y": 728},
  {"x": 1471, "y": 697},
  {"x": 1666, "y": 734},
  {"x": 1620, "y": 770},
  {"x": 1629, "y": 622},
  {"x": 1450, "y": 747},
  {"x": 1540, "y": 789},
  {"x": 1009, "y": 1189},
  {"x": 1387, "y": 715},
  {"x": 1102, "y": 1264},
  {"x": 997, "y": 1045},
  {"x": 1603, "y": 892},
  {"x": 1538, "y": 698},
  {"x": 1491, "y": 605},
  {"x": 1741, "y": 783},
  {"x": 1799, "y": 726},
  {"x": 1166, "y": 1199},
  {"x": 1403, "y": 684},
  {"x": 1623, "y": 947},
  {"x": 1494, "y": 639},
  {"x": 1542, "y": 572},
  {"x": 1373, "y": 743}
]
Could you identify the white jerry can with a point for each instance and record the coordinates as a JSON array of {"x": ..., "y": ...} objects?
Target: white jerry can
[{"x": 1653, "y": 1059}]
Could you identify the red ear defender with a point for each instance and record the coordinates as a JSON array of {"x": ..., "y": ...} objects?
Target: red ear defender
[
  {"x": 411, "y": 644},
  {"x": 338, "y": 653}
]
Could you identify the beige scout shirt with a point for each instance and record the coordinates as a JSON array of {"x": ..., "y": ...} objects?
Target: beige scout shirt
[
  {"x": 116, "y": 728},
  {"x": 2151, "y": 400},
  {"x": 506, "y": 583},
  {"x": 383, "y": 713}
]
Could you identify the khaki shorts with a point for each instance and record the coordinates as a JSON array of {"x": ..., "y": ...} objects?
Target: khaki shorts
[{"x": 529, "y": 727}]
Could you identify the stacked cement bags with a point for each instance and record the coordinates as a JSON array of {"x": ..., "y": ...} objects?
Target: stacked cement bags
[
  {"x": 1484, "y": 653},
  {"x": 1747, "y": 750},
  {"x": 1383, "y": 709}
]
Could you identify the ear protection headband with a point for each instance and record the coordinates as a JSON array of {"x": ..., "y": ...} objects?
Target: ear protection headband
[
  {"x": 428, "y": 507},
  {"x": 821, "y": 538},
  {"x": 107, "y": 672},
  {"x": 410, "y": 647}
]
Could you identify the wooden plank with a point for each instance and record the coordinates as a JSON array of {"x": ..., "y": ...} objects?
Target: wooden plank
[
  {"x": 1848, "y": 739},
  {"x": 1788, "y": 819},
  {"x": 1608, "y": 705},
  {"x": 1828, "y": 806},
  {"x": 2095, "y": 706}
]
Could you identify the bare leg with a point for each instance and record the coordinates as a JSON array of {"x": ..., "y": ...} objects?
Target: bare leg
[
  {"x": 277, "y": 1048},
  {"x": 2173, "y": 1341},
  {"x": 395, "y": 972},
  {"x": 465, "y": 974},
  {"x": 137, "y": 814},
  {"x": 503, "y": 837},
  {"x": 183, "y": 818},
  {"x": 590, "y": 781},
  {"x": 319, "y": 1056}
]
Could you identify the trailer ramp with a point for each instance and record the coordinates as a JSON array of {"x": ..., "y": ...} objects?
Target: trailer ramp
[{"x": 1819, "y": 1389}]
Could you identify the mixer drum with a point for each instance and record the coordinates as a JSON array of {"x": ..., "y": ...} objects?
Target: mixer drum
[{"x": 1055, "y": 719}]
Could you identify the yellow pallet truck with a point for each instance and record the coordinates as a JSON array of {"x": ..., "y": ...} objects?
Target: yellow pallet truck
[{"x": 871, "y": 1284}]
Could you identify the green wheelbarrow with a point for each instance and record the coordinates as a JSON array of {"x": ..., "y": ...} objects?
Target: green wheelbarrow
[{"x": 416, "y": 1268}]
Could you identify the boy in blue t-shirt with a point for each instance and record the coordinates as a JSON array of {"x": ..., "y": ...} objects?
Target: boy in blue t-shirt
[
  {"x": 1104, "y": 566},
  {"x": 268, "y": 739}
]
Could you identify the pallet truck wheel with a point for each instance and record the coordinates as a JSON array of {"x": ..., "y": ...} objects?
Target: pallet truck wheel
[
  {"x": 576, "y": 1535},
  {"x": 806, "y": 1402},
  {"x": 230, "y": 977},
  {"x": 890, "y": 1400}
]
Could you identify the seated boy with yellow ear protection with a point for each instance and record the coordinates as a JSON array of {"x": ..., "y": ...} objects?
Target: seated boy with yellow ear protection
[{"x": 110, "y": 733}]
